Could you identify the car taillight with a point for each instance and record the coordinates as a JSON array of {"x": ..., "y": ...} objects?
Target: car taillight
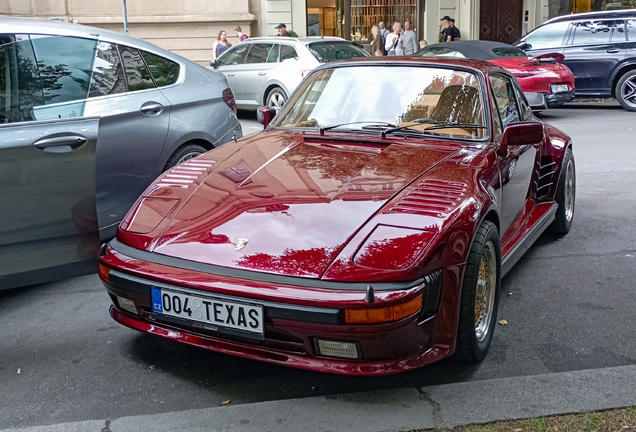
[
  {"x": 228, "y": 98},
  {"x": 305, "y": 72}
]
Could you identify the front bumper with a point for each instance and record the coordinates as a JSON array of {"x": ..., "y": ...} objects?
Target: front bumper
[
  {"x": 557, "y": 99},
  {"x": 290, "y": 330}
]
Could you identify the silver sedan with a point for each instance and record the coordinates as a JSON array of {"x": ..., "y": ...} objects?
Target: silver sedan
[{"x": 88, "y": 118}]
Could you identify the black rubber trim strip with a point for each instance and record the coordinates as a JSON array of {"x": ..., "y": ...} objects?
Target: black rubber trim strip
[
  {"x": 256, "y": 276},
  {"x": 528, "y": 240},
  {"x": 308, "y": 314}
]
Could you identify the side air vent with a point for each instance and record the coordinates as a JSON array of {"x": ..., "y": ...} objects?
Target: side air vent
[
  {"x": 547, "y": 169},
  {"x": 184, "y": 174},
  {"x": 431, "y": 198}
]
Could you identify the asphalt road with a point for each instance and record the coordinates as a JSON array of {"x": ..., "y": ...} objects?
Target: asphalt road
[{"x": 569, "y": 304}]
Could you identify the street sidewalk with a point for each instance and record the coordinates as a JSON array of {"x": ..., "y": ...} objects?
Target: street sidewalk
[{"x": 441, "y": 407}]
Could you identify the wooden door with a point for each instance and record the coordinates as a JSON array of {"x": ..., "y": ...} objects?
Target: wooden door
[{"x": 500, "y": 20}]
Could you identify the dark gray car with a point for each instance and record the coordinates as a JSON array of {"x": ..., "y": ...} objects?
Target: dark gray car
[{"x": 88, "y": 118}]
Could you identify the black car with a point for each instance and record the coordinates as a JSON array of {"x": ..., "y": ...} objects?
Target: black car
[{"x": 599, "y": 48}]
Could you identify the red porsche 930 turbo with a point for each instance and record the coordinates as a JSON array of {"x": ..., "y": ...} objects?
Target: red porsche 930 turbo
[
  {"x": 365, "y": 231},
  {"x": 542, "y": 74}
]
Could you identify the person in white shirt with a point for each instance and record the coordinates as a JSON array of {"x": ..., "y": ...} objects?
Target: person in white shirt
[
  {"x": 394, "y": 45},
  {"x": 410, "y": 40}
]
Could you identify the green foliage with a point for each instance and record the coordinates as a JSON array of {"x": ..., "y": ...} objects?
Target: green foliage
[{"x": 292, "y": 33}]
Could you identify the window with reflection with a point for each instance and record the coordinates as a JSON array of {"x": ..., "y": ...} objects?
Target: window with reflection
[
  {"x": 592, "y": 32},
  {"x": 107, "y": 77},
  {"x": 505, "y": 100},
  {"x": 415, "y": 97},
  {"x": 137, "y": 74}
]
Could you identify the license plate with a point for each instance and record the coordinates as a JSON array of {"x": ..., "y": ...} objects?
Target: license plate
[
  {"x": 221, "y": 313},
  {"x": 559, "y": 88}
]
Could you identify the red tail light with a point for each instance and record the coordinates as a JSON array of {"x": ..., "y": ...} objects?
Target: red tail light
[{"x": 228, "y": 98}]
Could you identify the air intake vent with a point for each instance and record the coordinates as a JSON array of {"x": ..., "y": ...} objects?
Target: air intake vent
[
  {"x": 547, "y": 170},
  {"x": 431, "y": 198},
  {"x": 184, "y": 174}
]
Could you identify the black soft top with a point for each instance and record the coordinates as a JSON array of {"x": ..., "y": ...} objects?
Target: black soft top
[{"x": 476, "y": 50}]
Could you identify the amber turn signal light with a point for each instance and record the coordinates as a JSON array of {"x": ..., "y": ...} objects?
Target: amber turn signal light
[
  {"x": 104, "y": 272},
  {"x": 394, "y": 313}
]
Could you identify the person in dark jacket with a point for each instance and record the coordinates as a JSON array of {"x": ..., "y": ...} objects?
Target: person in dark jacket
[{"x": 282, "y": 30}]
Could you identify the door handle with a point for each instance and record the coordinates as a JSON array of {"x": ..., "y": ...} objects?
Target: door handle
[
  {"x": 230, "y": 74},
  {"x": 261, "y": 73},
  {"x": 613, "y": 50},
  {"x": 73, "y": 141},
  {"x": 151, "y": 108}
]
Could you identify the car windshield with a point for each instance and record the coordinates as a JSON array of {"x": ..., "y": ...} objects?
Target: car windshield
[
  {"x": 509, "y": 52},
  {"x": 439, "y": 52},
  {"x": 410, "y": 98},
  {"x": 326, "y": 52}
]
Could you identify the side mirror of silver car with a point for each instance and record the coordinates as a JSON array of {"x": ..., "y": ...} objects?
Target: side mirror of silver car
[
  {"x": 264, "y": 115},
  {"x": 536, "y": 101},
  {"x": 213, "y": 64}
]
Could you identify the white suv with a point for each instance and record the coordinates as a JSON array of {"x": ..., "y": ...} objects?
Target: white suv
[{"x": 265, "y": 71}]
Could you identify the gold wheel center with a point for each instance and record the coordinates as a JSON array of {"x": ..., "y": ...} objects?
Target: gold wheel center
[{"x": 480, "y": 302}]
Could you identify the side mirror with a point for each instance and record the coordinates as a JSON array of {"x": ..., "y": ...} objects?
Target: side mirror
[
  {"x": 524, "y": 46},
  {"x": 264, "y": 115},
  {"x": 519, "y": 134},
  {"x": 536, "y": 101},
  {"x": 213, "y": 64}
]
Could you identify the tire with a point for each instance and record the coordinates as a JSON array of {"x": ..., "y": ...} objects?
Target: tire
[
  {"x": 480, "y": 295},
  {"x": 626, "y": 90},
  {"x": 565, "y": 196},
  {"x": 276, "y": 98},
  {"x": 184, "y": 153}
]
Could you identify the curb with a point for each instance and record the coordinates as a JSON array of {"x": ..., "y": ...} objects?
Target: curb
[{"x": 440, "y": 407}]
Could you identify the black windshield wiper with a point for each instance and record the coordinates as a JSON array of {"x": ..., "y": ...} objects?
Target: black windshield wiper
[
  {"x": 444, "y": 125},
  {"x": 326, "y": 128},
  {"x": 437, "y": 125}
]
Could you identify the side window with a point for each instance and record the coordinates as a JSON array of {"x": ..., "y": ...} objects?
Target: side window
[
  {"x": 260, "y": 53},
  {"x": 19, "y": 80},
  {"x": 505, "y": 100},
  {"x": 526, "y": 111},
  {"x": 107, "y": 77},
  {"x": 273, "y": 54},
  {"x": 631, "y": 30},
  {"x": 618, "y": 31},
  {"x": 165, "y": 72},
  {"x": 66, "y": 66},
  {"x": 137, "y": 74},
  {"x": 495, "y": 116},
  {"x": 287, "y": 52},
  {"x": 591, "y": 32},
  {"x": 234, "y": 56},
  {"x": 547, "y": 36}
]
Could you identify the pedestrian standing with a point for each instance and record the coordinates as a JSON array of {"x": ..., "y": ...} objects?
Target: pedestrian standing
[
  {"x": 394, "y": 45},
  {"x": 239, "y": 34},
  {"x": 221, "y": 45},
  {"x": 384, "y": 32},
  {"x": 378, "y": 41},
  {"x": 410, "y": 39},
  {"x": 282, "y": 30},
  {"x": 443, "y": 25},
  {"x": 453, "y": 32}
]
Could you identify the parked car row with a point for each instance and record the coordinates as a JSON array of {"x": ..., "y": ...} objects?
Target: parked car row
[
  {"x": 88, "y": 119},
  {"x": 265, "y": 71}
]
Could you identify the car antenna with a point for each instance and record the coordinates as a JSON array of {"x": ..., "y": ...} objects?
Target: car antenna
[{"x": 370, "y": 297}]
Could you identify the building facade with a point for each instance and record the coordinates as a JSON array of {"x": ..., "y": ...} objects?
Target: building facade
[{"x": 190, "y": 27}]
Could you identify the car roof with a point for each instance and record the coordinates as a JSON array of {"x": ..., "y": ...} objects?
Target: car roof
[
  {"x": 58, "y": 28},
  {"x": 303, "y": 41},
  {"x": 621, "y": 13},
  {"x": 477, "y": 65},
  {"x": 476, "y": 50}
]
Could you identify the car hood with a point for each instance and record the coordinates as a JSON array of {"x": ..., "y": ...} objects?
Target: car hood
[{"x": 287, "y": 202}]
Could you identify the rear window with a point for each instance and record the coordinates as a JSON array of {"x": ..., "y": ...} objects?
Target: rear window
[
  {"x": 164, "y": 71},
  {"x": 326, "y": 52},
  {"x": 509, "y": 52},
  {"x": 440, "y": 52}
]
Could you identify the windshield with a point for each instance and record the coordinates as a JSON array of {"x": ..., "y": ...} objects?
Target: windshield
[
  {"x": 439, "y": 52},
  {"x": 326, "y": 52},
  {"x": 416, "y": 97}
]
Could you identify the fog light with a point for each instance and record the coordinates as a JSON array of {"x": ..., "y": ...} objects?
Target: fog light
[
  {"x": 127, "y": 305},
  {"x": 337, "y": 349}
]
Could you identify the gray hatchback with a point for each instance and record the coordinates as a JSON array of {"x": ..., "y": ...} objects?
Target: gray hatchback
[{"x": 88, "y": 118}]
